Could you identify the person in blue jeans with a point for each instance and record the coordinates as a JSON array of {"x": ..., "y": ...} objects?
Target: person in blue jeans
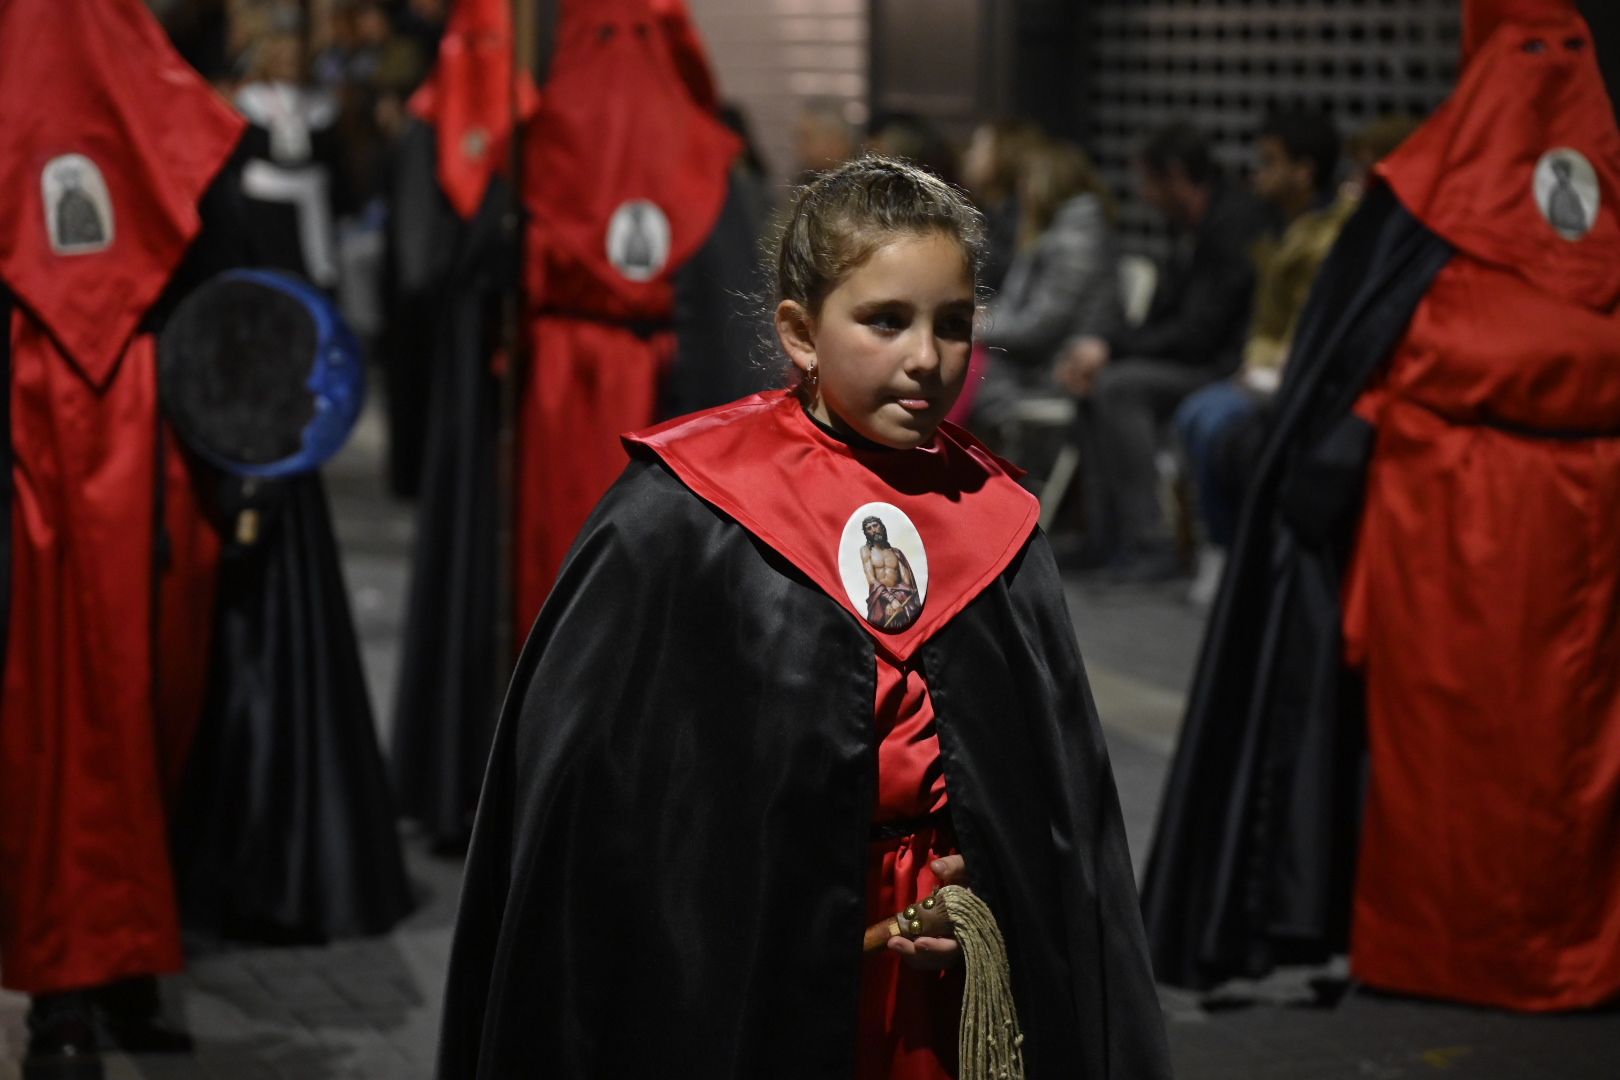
[
  {"x": 1297, "y": 154},
  {"x": 1202, "y": 425},
  {"x": 1221, "y": 426}
]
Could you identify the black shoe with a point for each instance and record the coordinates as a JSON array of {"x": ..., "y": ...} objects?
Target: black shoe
[
  {"x": 62, "y": 1039},
  {"x": 131, "y": 1012}
]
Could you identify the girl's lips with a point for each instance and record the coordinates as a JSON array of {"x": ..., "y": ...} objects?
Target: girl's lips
[{"x": 914, "y": 404}]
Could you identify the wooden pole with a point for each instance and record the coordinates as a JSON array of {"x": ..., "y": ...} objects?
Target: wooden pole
[{"x": 515, "y": 343}]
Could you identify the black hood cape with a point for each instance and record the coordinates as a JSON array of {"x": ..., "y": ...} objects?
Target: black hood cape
[
  {"x": 667, "y": 872},
  {"x": 1253, "y": 858}
]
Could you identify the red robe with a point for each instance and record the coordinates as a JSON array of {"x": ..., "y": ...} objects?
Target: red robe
[
  {"x": 909, "y": 1019},
  {"x": 107, "y": 142},
  {"x": 618, "y": 126},
  {"x": 1482, "y": 597}
]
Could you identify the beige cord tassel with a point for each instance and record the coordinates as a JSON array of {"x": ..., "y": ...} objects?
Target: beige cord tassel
[{"x": 991, "y": 1043}]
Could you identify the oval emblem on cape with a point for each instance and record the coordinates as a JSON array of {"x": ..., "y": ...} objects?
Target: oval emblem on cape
[
  {"x": 78, "y": 209},
  {"x": 638, "y": 240},
  {"x": 884, "y": 566},
  {"x": 1567, "y": 192}
]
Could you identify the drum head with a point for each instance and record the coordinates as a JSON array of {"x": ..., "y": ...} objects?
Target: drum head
[{"x": 259, "y": 375}]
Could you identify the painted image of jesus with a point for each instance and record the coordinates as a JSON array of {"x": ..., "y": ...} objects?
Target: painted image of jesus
[{"x": 892, "y": 601}]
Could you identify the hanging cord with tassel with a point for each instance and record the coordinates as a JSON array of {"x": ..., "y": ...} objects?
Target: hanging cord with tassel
[{"x": 991, "y": 1043}]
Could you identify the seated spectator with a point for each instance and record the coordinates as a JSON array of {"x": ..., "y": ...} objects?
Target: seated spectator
[
  {"x": 991, "y": 166},
  {"x": 1132, "y": 380},
  {"x": 1222, "y": 426},
  {"x": 1063, "y": 282}
]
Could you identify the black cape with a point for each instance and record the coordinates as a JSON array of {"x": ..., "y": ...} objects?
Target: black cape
[
  {"x": 451, "y": 661},
  {"x": 285, "y": 828},
  {"x": 1252, "y": 863},
  {"x": 667, "y": 875}
]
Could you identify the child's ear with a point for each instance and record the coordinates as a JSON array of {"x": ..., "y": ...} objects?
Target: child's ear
[{"x": 796, "y": 330}]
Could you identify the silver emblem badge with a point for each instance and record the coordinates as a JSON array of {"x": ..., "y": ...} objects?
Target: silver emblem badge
[
  {"x": 638, "y": 240},
  {"x": 1567, "y": 193},
  {"x": 78, "y": 209}
]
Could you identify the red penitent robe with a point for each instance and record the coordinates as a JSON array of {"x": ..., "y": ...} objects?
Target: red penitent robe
[
  {"x": 624, "y": 175},
  {"x": 107, "y": 142},
  {"x": 1483, "y": 595}
]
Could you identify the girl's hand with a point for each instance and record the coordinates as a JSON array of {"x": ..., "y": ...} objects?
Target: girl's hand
[{"x": 934, "y": 953}]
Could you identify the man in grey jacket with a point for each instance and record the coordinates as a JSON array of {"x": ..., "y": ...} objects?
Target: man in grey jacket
[{"x": 1193, "y": 334}]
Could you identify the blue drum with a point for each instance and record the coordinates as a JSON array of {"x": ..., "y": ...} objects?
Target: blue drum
[{"x": 259, "y": 374}]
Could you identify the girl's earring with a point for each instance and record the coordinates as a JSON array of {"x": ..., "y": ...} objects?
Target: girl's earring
[{"x": 813, "y": 376}]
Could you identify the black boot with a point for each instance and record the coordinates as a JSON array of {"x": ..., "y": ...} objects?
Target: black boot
[
  {"x": 131, "y": 1012},
  {"x": 62, "y": 1038}
]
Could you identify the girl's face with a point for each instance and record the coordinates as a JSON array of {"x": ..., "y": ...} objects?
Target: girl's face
[{"x": 889, "y": 349}]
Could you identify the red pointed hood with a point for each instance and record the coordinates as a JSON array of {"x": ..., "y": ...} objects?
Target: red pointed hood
[
  {"x": 468, "y": 99},
  {"x": 108, "y": 139},
  {"x": 624, "y": 173},
  {"x": 955, "y": 512},
  {"x": 1482, "y": 17},
  {"x": 686, "y": 48},
  {"x": 1520, "y": 167}
]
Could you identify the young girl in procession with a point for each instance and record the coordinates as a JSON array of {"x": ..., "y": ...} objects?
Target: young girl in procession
[{"x": 808, "y": 661}]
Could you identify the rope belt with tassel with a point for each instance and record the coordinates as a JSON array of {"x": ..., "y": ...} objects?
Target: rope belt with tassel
[{"x": 991, "y": 1042}]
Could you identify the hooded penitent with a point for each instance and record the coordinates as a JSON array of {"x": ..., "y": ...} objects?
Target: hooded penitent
[
  {"x": 1487, "y": 869},
  {"x": 108, "y": 142},
  {"x": 624, "y": 175},
  {"x": 454, "y": 278},
  {"x": 470, "y": 99},
  {"x": 1424, "y": 582}
]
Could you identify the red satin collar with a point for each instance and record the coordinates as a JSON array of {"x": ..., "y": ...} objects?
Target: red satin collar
[
  {"x": 1469, "y": 172},
  {"x": 107, "y": 142},
  {"x": 764, "y": 463},
  {"x": 468, "y": 100}
]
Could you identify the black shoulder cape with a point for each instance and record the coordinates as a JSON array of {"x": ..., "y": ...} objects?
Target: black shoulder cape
[
  {"x": 1253, "y": 858},
  {"x": 667, "y": 871}
]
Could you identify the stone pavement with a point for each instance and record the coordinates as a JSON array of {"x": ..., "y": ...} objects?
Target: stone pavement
[{"x": 368, "y": 1009}]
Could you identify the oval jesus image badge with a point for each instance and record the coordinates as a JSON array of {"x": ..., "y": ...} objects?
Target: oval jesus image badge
[{"x": 884, "y": 566}]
